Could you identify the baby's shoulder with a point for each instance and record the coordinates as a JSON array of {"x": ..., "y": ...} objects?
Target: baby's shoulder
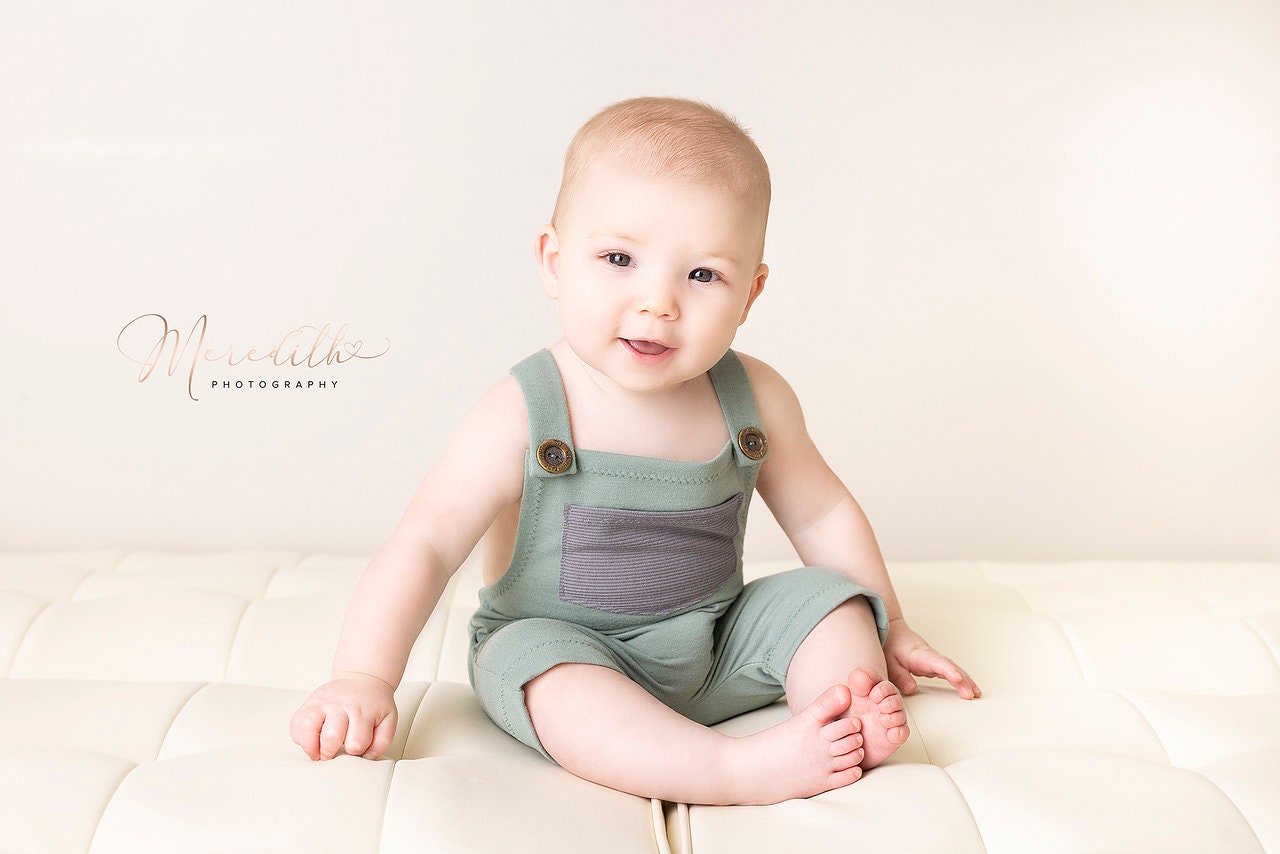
[
  {"x": 499, "y": 415},
  {"x": 779, "y": 407},
  {"x": 771, "y": 390}
]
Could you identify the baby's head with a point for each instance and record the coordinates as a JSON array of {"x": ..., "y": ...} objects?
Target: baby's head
[
  {"x": 655, "y": 246},
  {"x": 673, "y": 140}
]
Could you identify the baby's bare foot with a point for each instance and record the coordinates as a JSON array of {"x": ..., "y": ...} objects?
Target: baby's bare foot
[
  {"x": 815, "y": 751},
  {"x": 878, "y": 704}
]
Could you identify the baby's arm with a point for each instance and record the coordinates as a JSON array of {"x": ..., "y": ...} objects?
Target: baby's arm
[
  {"x": 479, "y": 472},
  {"x": 828, "y": 527}
]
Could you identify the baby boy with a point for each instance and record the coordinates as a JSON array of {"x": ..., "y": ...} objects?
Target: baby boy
[{"x": 610, "y": 476}]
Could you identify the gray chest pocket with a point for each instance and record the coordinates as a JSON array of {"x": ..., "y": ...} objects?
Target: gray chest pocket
[{"x": 647, "y": 561}]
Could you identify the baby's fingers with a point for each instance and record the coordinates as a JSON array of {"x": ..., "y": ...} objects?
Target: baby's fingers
[
  {"x": 383, "y": 734},
  {"x": 901, "y": 676},
  {"x": 974, "y": 692},
  {"x": 367, "y": 734},
  {"x": 963, "y": 682},
  {"x": 931, "y": 663},
  {"x": 333, "y": 733},
  {"x": 304, "y": 729}
]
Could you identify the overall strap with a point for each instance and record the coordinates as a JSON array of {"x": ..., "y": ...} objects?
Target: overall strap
[
  {"x": 750, "y": 447},
  {"x": 550, "y": 443}
]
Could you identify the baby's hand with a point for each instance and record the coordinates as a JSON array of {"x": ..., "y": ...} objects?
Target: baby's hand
[
  {"x": 356, "y": 711},
  {"x": 907, "y": 653}
]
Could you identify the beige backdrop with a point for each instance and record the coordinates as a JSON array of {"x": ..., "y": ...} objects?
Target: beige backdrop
[{"x": 1025, "y": 266}]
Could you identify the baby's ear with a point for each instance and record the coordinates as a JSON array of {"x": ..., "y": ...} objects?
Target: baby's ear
[
  {"x": 546, "y": 251},
  {"x": 757, "y": 285}
]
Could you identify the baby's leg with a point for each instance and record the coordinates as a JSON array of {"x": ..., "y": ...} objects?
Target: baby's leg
[
  {"x": 845, "y": 648},
  {"x": 603, "y": 727}
]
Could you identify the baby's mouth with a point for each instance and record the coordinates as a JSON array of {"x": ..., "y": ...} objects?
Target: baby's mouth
[{"x": 648, "y": 348}]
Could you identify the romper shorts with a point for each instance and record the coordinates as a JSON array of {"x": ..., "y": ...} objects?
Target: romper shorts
[{"x": 708, "y": 664}]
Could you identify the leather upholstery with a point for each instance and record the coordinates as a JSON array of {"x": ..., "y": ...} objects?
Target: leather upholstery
[{"x": 1127, "y": 707}]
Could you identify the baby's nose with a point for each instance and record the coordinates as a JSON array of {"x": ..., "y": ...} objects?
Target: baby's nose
[{"x": 659, "y": 299}]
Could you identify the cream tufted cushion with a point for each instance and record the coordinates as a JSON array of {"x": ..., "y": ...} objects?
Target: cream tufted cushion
[{"x": 1128, "y": 707}]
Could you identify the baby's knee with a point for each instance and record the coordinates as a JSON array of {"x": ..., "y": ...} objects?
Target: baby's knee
[
  {"x": 857, "y": 609},
  {"x": 559, "y": 700},
  {"x": 557, "y": 682},
  {"x": 525, "y": 676}
]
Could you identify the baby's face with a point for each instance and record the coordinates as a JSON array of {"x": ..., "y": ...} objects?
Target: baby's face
[{"x": 653, "y": 277}]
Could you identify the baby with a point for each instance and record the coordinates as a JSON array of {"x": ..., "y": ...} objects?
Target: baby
[{"x": 610, "y": 477}]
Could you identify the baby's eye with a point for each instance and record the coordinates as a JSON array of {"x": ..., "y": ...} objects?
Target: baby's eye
[
  {"x": 619, "y": 259},
  {"x": 698, "y": 276}
]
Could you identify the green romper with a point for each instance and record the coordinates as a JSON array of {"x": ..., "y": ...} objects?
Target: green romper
[{"x": 635, "y": 564}]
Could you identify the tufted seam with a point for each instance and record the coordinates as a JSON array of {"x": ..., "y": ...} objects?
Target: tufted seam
[
  {"x": 985, "y": 568},
  {"x": 1230, "y": 800},
  {"x": 266, "y": 585},
  {"x": 106, "y": 804},
  {"x": 115, "y": 567},
  {"x": 386, "y": 802},
  {"x": 1075, "y": 647},
  {"x": 1108, "y": 754},
  {"x": 977, "y": 828},
  {"x": 1160, "y": 741},
  {"x": 917, "y": 732},
  {"x": 1262, "y": 638},
  {"x": 1243, "y": 817},
  {"x": 416, "y": 711},
  {"x": 169, "y": 729},
  {"x": 235, "y": 638},
  {"x": 26, "y": 634},
  {"x": 71, "y": 594}
]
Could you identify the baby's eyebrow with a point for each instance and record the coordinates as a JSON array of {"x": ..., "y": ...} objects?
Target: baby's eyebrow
[
  {"x": 615, "y": 235},
  {"x": 724, "y": 256}
]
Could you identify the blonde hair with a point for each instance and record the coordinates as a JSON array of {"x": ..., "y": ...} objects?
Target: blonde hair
[{"x": 669, "y": 138}]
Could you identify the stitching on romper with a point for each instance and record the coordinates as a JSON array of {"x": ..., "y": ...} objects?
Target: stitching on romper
[
  {"x": 790, "y": 621},
  {"x": 660, "y": 478},
  {"x": 521, "y": 561},
  {"x": 505, "y": 675},
  {"x": 720, "y": 466},
  {"x": 767, "y": 661}
]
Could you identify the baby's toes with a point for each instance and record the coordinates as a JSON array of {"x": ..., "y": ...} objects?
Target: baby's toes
[
  {"x": 841, "y": 728},
  {"x": 845, "y": 776},
  {"x": 893, "y": 715},
  {"x": 851, "y": 759},
  {"x": 892, "y": 719},
  {"x": 844, "y": 737},
  {"x": 889, "y": 704},
  {"x": 863, "y": 681},
  {"x": 886, "y": 695},
  {"x": 847, "y": 745},
  {"x": 895, "y": 727}
]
